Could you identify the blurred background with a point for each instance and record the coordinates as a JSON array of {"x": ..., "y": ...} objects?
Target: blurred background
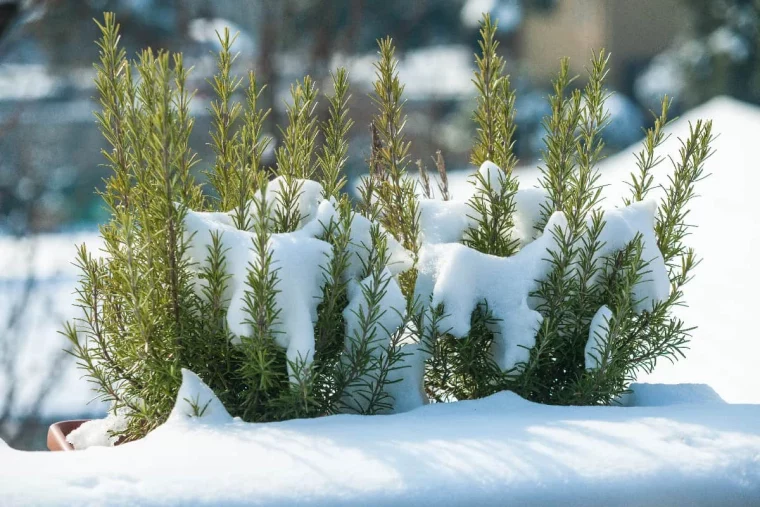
[{"x": 693, "y": 50}]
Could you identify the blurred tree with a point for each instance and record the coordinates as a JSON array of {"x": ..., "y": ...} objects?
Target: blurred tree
[
  {"x": 716, "y": 54},
  {"x": 9, "y": 10},
  {"x": 726, "y": 35}
]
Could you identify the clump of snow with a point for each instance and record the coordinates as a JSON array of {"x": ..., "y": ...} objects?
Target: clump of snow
[
  {"x": 196, "y": 400},
  {"x": 621, "y": 226},
  {"x": 597, "y": 336},
  {"x": 528, "y": 208},
  {"x": 406, "y": 384},
  {"x": 360, "y": 246},
  {"x": 308, "y": 200},
  {"x": 99, "y": 432},
  {"x": 444, "y": 221},
  {"x": 663, "y": 395},
  {"x": 462, "y": 278},
  {"x": 491, "y": 175}
]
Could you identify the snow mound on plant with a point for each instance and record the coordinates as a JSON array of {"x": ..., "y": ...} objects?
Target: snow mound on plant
[
  {"x": 299, "y": 260},
  {"x": 444, "y": 221},
  {"x": 308, "y": 201},
  {"x": 462, "y": 279},
  {"x": 196, "y": 400},
  {"x": 399, "y": 258}
]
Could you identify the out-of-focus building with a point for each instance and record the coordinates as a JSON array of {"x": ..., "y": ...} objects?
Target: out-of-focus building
[{"x": 632, "y": 30}]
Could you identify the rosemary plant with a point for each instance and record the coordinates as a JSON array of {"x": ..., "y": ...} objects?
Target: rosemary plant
[{"x": 150, "y": 310}]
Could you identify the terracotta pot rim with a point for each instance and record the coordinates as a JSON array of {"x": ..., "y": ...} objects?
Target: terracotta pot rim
[{"x": 57, "y": 433}]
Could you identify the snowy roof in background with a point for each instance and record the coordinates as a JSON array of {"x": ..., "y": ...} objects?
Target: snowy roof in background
[
  {"x": 436, "y": 72},
  {"x": 28, "y": 82},
  {"x": 508, "y": 13},
  {"x": 207, "y": 31}
]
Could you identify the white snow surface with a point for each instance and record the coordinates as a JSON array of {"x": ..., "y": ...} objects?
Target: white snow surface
[{"x": 482, "y": 452}]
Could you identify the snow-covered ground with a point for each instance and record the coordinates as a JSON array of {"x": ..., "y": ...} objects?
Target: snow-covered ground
[
  {"x": 669, "y": 445},
  {"x": 501, "y": 450}
]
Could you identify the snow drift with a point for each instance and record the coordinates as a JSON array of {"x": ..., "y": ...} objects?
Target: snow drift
[{"x": 492, "y": 451}]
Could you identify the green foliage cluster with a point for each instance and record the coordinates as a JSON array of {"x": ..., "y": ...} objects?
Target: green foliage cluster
[
  {"x": 143, "y": 320},
  {"x": 580, "y": 281}
]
